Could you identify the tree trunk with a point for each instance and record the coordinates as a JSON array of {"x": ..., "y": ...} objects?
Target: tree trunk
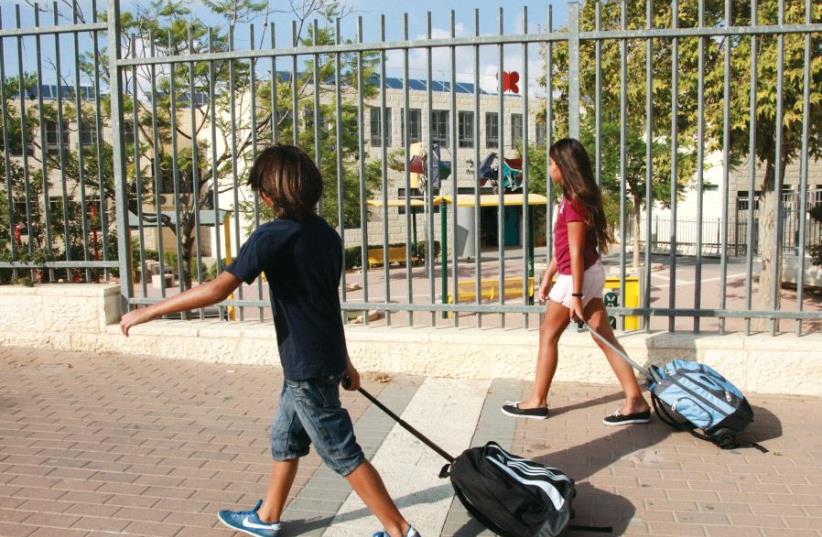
[{"x": 770, "y": 273}]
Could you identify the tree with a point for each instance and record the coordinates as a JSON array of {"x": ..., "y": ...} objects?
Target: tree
[
  {"x": 635, "y": 104},
  {"x": 183, "y": 149},
  {"x": 687, "y": 113}
]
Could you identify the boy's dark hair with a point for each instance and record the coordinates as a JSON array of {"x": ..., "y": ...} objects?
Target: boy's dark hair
[
  {"x": 288, "y": 176},
  {"x": 578, "y": 185}
]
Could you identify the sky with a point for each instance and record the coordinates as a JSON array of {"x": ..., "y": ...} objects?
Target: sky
[{"x": 369, "y": 10}]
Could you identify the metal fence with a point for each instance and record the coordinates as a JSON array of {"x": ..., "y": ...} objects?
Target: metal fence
[{"x": 161, "y": 142}]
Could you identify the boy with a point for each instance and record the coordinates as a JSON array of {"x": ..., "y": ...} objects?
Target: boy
[{"x": 301, "y": 256}]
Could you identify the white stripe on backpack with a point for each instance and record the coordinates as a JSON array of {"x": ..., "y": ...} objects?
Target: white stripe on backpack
[
  {"x": 531, "y": 467},
  {"x": 553, "y": 494}
]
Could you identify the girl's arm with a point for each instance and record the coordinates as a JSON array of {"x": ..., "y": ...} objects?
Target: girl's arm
[
  {"x": 201, "y": 296},
  {"x": 551, "y": 270},
  {"x": 576, "y": 244}
]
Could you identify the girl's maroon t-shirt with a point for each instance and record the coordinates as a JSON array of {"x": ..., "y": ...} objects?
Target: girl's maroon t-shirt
[{"x": 572, "y": 211}]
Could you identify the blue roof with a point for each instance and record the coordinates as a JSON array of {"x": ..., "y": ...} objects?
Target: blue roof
[{"x": 415, "y": 84}]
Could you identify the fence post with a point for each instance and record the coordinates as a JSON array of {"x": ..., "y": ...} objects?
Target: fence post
[
  {"x": 573, "y": 69},
  {"x": 120, "y": 183}
]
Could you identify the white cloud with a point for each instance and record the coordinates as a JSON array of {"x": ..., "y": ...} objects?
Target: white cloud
[{"x": 464, "y": 60}]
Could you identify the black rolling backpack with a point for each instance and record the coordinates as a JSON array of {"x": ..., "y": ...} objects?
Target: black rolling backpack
[{"x": 510, "y": 495}]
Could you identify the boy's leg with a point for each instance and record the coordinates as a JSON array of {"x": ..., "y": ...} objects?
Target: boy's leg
[
  {"x": 369, "y": 486},
  {"x": 329, "y": 426},
  {"x": 597, "y": 318},
  {"x": 282, "y": 477}
]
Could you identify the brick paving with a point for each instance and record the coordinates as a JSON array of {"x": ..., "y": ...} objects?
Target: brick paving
[{"x": 106, "y": 444}]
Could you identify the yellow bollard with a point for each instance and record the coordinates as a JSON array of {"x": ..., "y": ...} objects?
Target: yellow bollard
[
  {"x": 631, "y": 300},
  {"x": 228, "y": 258}
]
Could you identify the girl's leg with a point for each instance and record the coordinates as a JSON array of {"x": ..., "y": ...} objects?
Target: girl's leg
[
  {"x": 282, "y": 477},
  {"x": 597, "y": 319},
  {"x": 554, "y": 323}
]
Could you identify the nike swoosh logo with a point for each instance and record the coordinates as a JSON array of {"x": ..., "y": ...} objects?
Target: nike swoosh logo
[{"x": 248, "y": 524}]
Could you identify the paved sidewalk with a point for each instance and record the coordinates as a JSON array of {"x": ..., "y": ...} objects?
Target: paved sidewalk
[{"x": 106, "y": 444}]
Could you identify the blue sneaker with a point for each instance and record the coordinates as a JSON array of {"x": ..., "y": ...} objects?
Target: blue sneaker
[
  {"x": 410, "y": 533},
  {"x": 248, "y": 522}
]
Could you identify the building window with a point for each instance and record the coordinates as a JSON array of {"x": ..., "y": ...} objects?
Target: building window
[
  {"x": 414, "y": 125},
  {"x": 491, "y": 130},
  {"x": 743, "y": 201},
  {"x": 53, "y": 139},
  {"x": 376, "y": 128},
  {"x": 516, "y": 129},
  {"x": 439, "y": 127},
  {"x": 541, "y": 133},
  {"x": 466, "y": 128},
  {"x": 87, "y": 132}
]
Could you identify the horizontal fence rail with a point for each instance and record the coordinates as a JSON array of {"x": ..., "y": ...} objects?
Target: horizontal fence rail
[{"x": 126, "y": 151}]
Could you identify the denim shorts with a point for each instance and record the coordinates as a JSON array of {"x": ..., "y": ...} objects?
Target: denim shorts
[{"x": 310, "y": 412}]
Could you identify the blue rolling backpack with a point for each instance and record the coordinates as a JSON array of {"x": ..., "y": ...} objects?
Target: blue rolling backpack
[{"x": 689, "y": 396}]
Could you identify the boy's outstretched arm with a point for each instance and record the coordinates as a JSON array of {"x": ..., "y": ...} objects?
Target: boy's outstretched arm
[{"x": 201, "y": 296}]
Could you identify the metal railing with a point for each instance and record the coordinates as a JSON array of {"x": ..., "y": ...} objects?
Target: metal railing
[{"x": 172, "y": 163}]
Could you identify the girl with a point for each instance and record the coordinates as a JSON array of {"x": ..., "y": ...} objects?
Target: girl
[{"x": 580, "y": 234}]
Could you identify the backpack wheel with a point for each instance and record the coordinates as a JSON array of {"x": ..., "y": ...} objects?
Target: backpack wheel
[{"x": 725, "y": 438}]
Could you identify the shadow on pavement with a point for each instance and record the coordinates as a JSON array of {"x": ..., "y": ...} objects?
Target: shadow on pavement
[{"x": 430, "y": 495}]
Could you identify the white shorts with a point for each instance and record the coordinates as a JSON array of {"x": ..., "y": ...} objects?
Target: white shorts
[{"x": 592, "y": 285}]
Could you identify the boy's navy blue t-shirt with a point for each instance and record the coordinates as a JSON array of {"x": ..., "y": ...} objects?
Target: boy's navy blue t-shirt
[{"x": 302, "y": 262}]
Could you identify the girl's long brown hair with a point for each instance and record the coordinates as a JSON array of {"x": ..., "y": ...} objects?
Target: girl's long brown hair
[{"x": 578, "y": 185}]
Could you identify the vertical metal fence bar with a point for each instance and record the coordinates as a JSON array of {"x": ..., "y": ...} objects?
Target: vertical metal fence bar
[
  {"x": 597, "y": 96},
  {"x": 275, "y": 116},
  {"x": 43, "y": 160},
  {"x": 80, "y": 156},
  {"x": 477, "y": 179},
  {"x": 406, "y": 137},
  {"x": 60, "y": 135},
  {"x": 752, "y": 165},
  {"x": 137, "y": 175},
  {"x": 429, "y": 203},
  {"x": 215, "y": 183},
  {"x": 384, "y": 176},
  {"x": 234, "y": 155},
  {"x": 6, "y": 150},
  {"x": 549, "y": 140},
  {"x": 778, "y": 168},
  {"x": 175, "y": 168},
  {"x": 120, "y": 184},
  {"x": 340, "y": 169},
  {"x": 803, "y": 174},
  {"x": 573, "y": 69},
  {"x": 674, "y": 164},
  {"x": 157, "y": 170},
  {"x": 649, "y": 161},
  {"x": 726, "y": 142},
  {"x": 623, "y": 136},
  {"x": 700, "y": 164},
  {"x": 361, "y": 170},
  {"x": 526, "y": 208},
  {"x": 195, "y": 164},
  {"x": 98, "y": 126},
  {"x": 253, "y": 75},
  {"x": 295, "y": 120},
  {"x": 501, "y": 171},
  {"x": 23, "y": 141},
  {"x": 317, "y": 82},
  {"x": 455, "y": 137}
]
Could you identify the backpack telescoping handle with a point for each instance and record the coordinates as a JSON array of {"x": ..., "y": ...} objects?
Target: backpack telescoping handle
[
  {"x": 648, "y": 372},
  {"x": 404, "y": 424}
]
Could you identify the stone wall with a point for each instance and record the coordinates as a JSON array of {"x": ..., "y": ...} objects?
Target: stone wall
[{"x": 84, "y": 318}]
